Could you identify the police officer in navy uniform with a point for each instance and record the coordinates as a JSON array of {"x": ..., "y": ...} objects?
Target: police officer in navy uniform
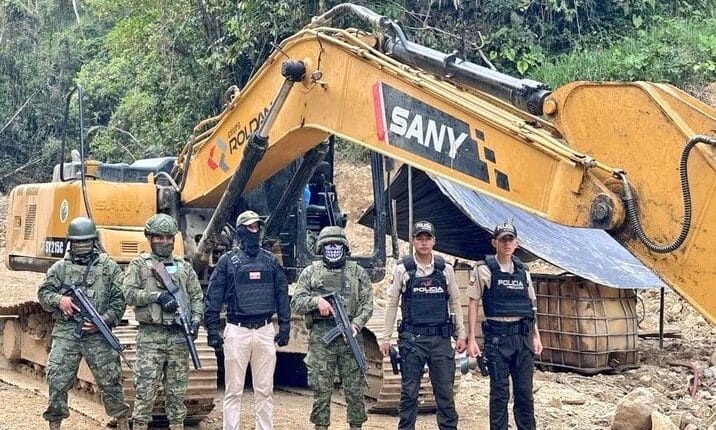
[
  {"x": 504, "y": 286},
  {"x": 253, "y": 285},
  {"x": 429, "y": 297}
]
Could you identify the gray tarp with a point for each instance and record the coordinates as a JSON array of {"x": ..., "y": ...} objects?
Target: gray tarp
[{"x": 464, "y": 218}]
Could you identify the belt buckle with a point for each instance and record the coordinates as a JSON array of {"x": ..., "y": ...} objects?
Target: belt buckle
[{"x": 250, "y": 326}]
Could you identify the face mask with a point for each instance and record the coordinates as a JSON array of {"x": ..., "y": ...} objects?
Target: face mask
[
  {"x": 334, "y": 255},
  {"x": 163, "y": 250},
  {"x": 249, "y": 240},
  {"x": 81, "y": 251}
]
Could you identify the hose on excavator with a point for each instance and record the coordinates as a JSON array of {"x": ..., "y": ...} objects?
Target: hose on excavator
[{"x": 684, "y": 177}]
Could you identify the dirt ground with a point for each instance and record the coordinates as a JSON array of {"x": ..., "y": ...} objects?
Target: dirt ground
[
  {"x": 24, "y": 399},
  {"x": 563, "y": 400}
]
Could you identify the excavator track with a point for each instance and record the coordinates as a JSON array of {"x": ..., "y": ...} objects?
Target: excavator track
[{"x": 26, "y": 329}]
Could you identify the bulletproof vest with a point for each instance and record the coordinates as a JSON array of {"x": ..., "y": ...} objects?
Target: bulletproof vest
[
  {"x": 508, "y": 295},
  {"x": 253, "y": 284},
  {"x": 425, "y": 299}
]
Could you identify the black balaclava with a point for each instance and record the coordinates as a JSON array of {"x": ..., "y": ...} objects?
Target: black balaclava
[
  {"x": 82, "y": 251},
  {"x": 249, "y": 241}
]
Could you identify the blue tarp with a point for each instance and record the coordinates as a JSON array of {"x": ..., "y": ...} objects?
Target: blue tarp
[{"x": 464, "y": 220}]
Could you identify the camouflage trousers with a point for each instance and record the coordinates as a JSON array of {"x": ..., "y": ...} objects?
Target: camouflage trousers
[
  {"x": 322, "y": 361},
  {"x": 162, "y": 356},
  {"x": 62, "y": 365}
]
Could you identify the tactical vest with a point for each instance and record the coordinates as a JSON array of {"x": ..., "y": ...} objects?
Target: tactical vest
[
  {"x": 336, "y": 281},
  {"x": 253, "y": 285},
  {"x": 96, "y": 286},
  {"x": 508, "y": 295},
  {"x": 425, "y": 299},
  {"x": 153, "y": 313}
]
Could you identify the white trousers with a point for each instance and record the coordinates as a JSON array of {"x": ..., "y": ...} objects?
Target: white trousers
[{"x": 241, "y": 347}]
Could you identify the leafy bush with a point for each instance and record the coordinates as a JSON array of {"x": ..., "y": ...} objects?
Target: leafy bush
[{"x": 676, "y": 50}]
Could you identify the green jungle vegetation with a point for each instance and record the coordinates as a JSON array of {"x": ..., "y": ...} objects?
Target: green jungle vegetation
[{"x": 152, "y": 69}]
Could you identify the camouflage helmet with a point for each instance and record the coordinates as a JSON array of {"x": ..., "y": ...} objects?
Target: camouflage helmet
[
  {"x": 161, "y": 224},
  {"x": 248, "y": 218},
  {"x": 331, "y": 234},
  {"x": 82, "y": 228}
]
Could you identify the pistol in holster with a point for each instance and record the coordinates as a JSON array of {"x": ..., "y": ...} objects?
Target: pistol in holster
[{"x": 396, "y": 362}]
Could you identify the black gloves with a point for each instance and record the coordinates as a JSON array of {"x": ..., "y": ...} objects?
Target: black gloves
[
  {"x": 195, "y": 330},
  {"x": 214, "y": 340},
  {"x": 284, "y": 331},
  {"x": 167, "y": 301}
]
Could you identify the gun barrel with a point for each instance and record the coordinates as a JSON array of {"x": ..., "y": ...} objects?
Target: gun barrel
[
  {"x": 190, "y": 343},
  {"x": 90, "y": 314},
  {"x": 182, "y": 315},
  {"x": 343, "y": 323}
]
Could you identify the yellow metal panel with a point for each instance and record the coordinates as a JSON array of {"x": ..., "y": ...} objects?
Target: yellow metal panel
[
  {"x": 121, "y": 204},
  {"x": 123, "y": 245},
  {"x": 40, "y": 213},
  {"x": 642, "y": 128}
]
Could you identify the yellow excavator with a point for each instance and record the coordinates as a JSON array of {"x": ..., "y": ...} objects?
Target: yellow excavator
[{"x": 635, "y": 159}]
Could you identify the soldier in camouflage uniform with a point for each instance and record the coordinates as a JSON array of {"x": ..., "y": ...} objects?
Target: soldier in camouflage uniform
[
  {"x": 102, "y": 279},
  {"x": 333, "y": 273},
  {"x": 162, "y": 352}
]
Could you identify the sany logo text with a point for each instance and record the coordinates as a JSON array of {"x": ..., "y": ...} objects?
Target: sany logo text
[
  {"x": 422, "y": 129},
  {"x": 426, "y": 132}
]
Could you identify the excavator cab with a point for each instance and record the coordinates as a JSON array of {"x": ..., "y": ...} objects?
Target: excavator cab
[
  {"x": 297, "y": 209},
  {"x": 321, "y": 201}
]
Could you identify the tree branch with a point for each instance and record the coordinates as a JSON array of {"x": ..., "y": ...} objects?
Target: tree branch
[
  {"x": 24, "y": 166},
  {"x": 77, "y": 13},
  {"x": 18, "y": 111}
]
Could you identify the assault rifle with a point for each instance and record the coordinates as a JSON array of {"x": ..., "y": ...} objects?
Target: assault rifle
[
  {"x": 88, "y": 313},
  {"x": 345, "y": 328},
  {"x": 182, "y": 314}
]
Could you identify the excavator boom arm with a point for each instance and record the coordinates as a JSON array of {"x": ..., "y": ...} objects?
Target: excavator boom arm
[
  {"x": 353, "y": 91},
  {"x": 564, "y": 165}
]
